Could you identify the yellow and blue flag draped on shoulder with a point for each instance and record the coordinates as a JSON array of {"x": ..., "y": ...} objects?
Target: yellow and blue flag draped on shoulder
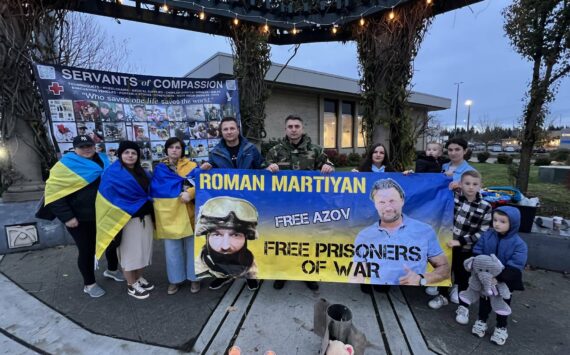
[
  {"x": 71, "y": 174},
  {"x": 119, "y": 197},
  {"x": 172, "y": 219}
]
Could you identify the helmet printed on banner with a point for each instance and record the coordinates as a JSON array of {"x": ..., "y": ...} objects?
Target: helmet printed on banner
[{"x": 228, "y": 212}]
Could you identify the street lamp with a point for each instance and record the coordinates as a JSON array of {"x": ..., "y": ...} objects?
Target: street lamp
[
  {"x": 468, "y": 103},
  {"x": 456, "y": 105}
]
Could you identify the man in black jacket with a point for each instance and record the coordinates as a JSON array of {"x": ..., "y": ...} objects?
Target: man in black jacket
[{"x": 77, "y": 212}]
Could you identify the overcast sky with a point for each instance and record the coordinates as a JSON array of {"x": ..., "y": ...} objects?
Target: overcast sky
[{"x": 464, "y": 45}]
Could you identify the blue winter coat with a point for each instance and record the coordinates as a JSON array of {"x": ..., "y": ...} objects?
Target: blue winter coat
[
  {"x": 510, "y": 249},
  {"x": 248, "y": 156}
]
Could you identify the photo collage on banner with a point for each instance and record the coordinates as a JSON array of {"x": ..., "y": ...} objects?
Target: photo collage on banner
[{"x": 144, "y": 109}]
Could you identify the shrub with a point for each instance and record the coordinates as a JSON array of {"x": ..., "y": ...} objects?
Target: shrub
[
  {"x": 504, "y": 159},
  {"x": 483, "y": 156},
  {"x": 560, "y": 155},
  {"x": 342, "y": 160},
  {"x": 542, "y": 161},
  {"x": 353, "y": 159},
  {"x": 468, "y": 154}
]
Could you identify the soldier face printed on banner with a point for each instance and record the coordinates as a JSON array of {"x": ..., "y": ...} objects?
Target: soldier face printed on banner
[
  {"x": 228, "y": 223},
  {"x": 226, "y": 241}
]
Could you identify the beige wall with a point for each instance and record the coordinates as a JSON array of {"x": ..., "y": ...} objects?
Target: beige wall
[
  {"x": 310, "y": 106},
  {"x": 283, "y": 103}
]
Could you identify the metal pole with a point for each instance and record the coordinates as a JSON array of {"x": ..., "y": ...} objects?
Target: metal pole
[
  {"x": 456, "y": 105},
  {"x": 468, "y": 117}
]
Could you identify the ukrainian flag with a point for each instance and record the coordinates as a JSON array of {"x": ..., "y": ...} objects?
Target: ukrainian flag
[
  {"x": 71, "y": 174},
  {"x": 119, "y": 197},
  {"x": 172, "y": 219}
]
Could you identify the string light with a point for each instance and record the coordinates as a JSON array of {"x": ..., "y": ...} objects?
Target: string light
[
  {"x": 265, "y": 28},
  {"x": 428, "y": 2}
]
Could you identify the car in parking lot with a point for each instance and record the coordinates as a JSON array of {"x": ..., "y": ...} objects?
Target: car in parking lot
[{"x": 510, "y": 149}]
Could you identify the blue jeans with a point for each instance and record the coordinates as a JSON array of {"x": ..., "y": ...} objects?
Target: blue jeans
[{"x": 180, "y": 259}]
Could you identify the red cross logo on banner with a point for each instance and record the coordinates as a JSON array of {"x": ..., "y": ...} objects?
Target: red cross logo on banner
[{"x": 55, "y": 88}]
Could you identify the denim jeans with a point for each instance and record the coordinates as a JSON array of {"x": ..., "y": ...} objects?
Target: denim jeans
[{"x": 180, "y": 259}]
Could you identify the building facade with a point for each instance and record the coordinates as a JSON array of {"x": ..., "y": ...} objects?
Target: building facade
[{"x": 328, "y": 104}]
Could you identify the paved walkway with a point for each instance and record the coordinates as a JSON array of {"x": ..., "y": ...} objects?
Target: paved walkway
[{"x": 45, "y": 316}]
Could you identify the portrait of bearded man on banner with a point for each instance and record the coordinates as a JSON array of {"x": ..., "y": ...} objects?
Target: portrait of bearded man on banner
[{"x": 228, "y": 223}]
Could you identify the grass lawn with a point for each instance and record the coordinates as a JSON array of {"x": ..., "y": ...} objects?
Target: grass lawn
[{"x": 554, "y": 199}]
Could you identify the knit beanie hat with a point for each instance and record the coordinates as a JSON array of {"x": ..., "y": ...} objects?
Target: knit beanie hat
[{"x": 124, "y": 145}]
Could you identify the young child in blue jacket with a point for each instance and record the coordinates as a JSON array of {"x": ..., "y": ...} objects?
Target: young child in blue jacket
[{"x": 503, "y": 241}]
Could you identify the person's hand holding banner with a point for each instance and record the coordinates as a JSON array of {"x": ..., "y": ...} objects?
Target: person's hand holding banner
[{"x": 273, "y": 168}]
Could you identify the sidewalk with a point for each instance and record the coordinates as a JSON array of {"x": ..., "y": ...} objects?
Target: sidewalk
[{"x": 45, "y": 311}]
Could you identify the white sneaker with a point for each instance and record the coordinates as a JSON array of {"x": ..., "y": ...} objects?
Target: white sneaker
[
  {"x": 479, "y": 328},
  {"x": 137, "y": 291},
  {"x": 145, "y": 284},
  {"x": 462, "y": 316},
  {"x": 454, "y": 294},
  {"x": 432, "y": 291},
  {"x": 499, "y": 336},
  {"x": 437, "y": 302}
]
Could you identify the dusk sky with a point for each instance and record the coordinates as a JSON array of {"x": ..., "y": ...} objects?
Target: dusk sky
[{"x": 466, "y": 45}]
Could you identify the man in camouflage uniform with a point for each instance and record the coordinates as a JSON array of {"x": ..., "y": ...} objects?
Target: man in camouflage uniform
[{"x": 296, "y": 152}]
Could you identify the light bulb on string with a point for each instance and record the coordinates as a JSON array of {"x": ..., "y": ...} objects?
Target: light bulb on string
[
  {"x": 391, "y": 15},
  {"x": 334, "y": 29},
  {"x": 428, "y": 2},
  {"x": 294, "y": 31},
  {"x": 362, "y": 22},
  {"x": 164, "y": 7},
  {"x": 266, "y": 27},
  {"x": 202, "y": 14},
  {"x": 236, "y": 21}
]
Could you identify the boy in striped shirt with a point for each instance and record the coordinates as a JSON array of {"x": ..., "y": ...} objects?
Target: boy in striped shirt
[{"x": 472, "y": 217}]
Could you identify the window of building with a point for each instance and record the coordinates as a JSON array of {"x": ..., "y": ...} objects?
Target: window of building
[
  {"x": 330, "y": 119},
  {"x": 347, "y": 124},
  {"x": 360, "y": 134}
]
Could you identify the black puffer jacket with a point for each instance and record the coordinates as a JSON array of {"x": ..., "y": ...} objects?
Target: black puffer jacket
[
  {"x": 80, "y": 204},
  {"x": 429, "y": 164}
]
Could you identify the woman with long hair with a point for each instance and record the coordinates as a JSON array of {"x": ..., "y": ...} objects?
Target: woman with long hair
[
  {"x": 124, "y": 206},
  {"x": 376, "y": 160}
]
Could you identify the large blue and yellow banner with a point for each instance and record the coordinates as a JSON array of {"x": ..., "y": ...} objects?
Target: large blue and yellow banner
[{"x": 343, "y": 227}]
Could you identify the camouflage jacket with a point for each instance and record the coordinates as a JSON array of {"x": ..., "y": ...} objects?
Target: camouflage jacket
[{"x": 306, "y": 156}]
